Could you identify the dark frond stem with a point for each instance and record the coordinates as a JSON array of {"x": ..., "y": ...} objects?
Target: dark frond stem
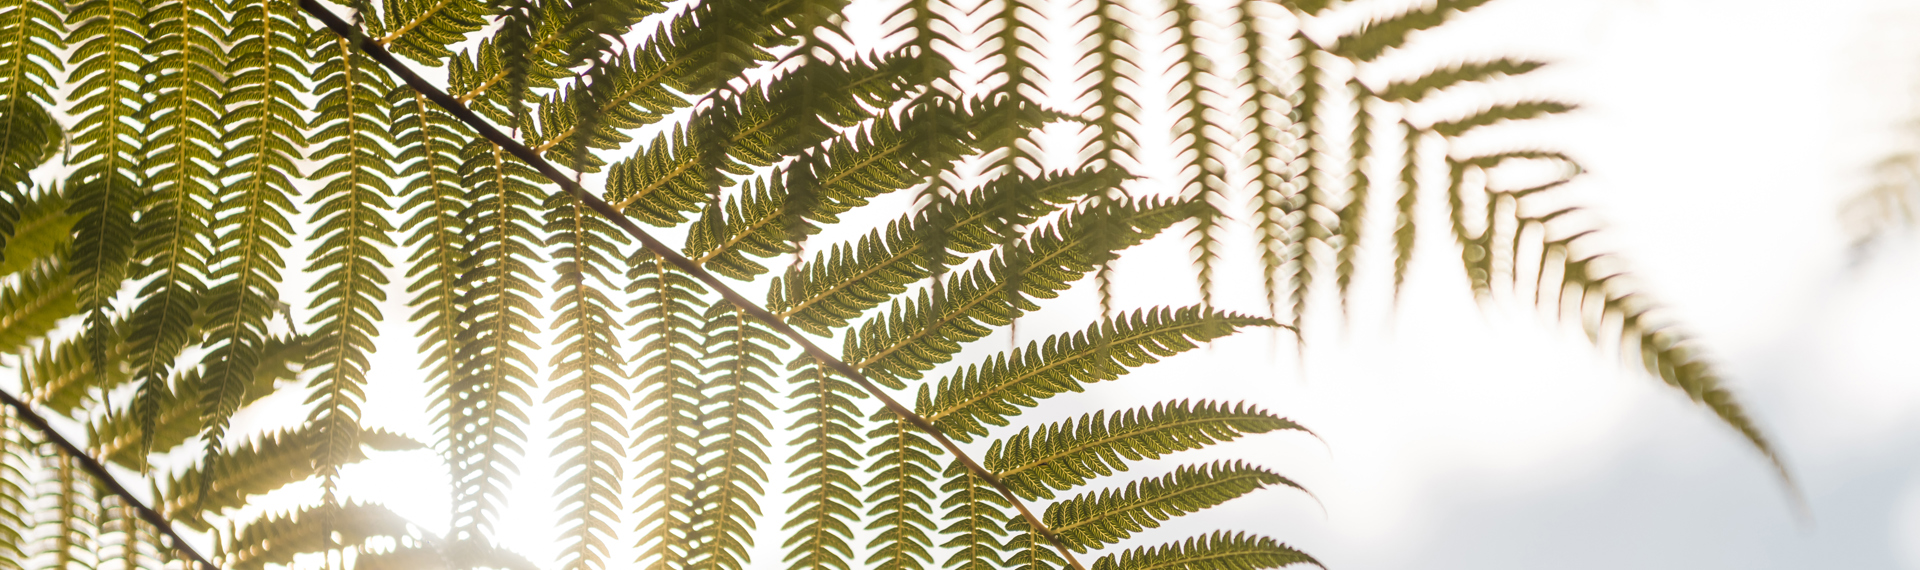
[
  {"x": 667, "y": 254},
  {"x": 100, "y": 474}
]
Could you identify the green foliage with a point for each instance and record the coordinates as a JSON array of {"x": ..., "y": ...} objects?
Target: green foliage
[{"x": 208, "y": 140}]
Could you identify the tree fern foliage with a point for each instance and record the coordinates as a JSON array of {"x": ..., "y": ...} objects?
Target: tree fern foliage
[{"x": 209, "y": 202}]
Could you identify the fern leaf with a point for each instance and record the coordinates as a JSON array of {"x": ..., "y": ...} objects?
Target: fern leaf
[
  {"x": 174, "y": 219},
  {"x": 177, "y": 413},
  {"x": 1353, "y": 214},
  {"x": 976, "y": 515},
  {"x": 1376, "y": 37},
  {"x": 43, "y": 234},
  {"x": 1029, "y": 550},
  {"x": 258, "y": 466},
  {"x": 847, "y": 280},
  {"x": 33, "y": 305},
  {"x": 901, "y": 503},
  {"x": 30, "y": 34},
  {"x": 1404, "y": 223},
  {"x": 106, "y": 43},
  {"x": 277, "y": 539},
  {"x": 1497, "y": 113},
  {"x": 918, "y": 334},
  {"x": 732, "y": 455},
  {"x": 60, "y": 377},
  {"x": 1308, "y": 231},
  {"x": 587, "y": 371},
  {"x": 1208, "y": 185},
  {"x": 1065, "y": 455},
  {"x": 352, "y": 133},
  {"x": 668, "y": 329},
  {"x": 262, "y": 136},
  {"x": 987, "y": 394},
  {"x": 491, "y": 373},
  {"x": 16, "y": 519},
  {"x": 436, "y": 226},
  {"x": 1090, "y": 520},
  {"x": 1413, "y": 90},
  {"x": 421, "y": 30},
  {"x": 824, "y": 459},
  {"x": 1223, "y": 550},
  {"x": 1273, "y": 151}
]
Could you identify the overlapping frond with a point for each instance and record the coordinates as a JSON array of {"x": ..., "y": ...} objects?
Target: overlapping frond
[
  {"x": 1091, "y": 520},
  {"x": 1062, "y": 456}
]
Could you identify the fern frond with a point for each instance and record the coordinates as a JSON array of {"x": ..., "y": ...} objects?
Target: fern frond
[
  {"x": 264, "y": 84},
  {"x": 824, "y": 460},
  {"x": 1308, "y": 232},
  {"x": 124, "y": 437},
  {"x": 60, "y": 377},
  {"x": 436, "y": 226},
  {"x": 1272, "y": 172},
  {"x": 668, "y": 327},
  {"x": 1063, "y": 456},
  {"x": 918, "y": 334},
  {"x": 1222, "y": 550},
  {"x": 106, "y": 43},
  {"x": 1352, "y": 215},
  {"x": 849, "y": 279},
  {"x": 1208, "y": 184},
  {"x": 353, "y": 134},
  {"x": 901, "y": 501},
  {"x": 1497, "y": 113},
  {"x": 421, "y": 30},
  {"x": 258, "y": 466},
  {"x": 277, "y": 539},
  {"x": 16, "y": 485},
  {"x": 182, "y": 132},
  {"x": 987, "y": 394},
  {"x": 1376, "y": 37},
  {"x": 1090, "y": 520},
  {"x": 732, "y": 453},
  {"x": 976, "y": 515},
  {"x": 1404, "y": 229},
  {"x": 1413, "y": 90},
  {"x": 30, "y": 33},
  {"x": 492, "y": 370},
  {"x": 588, "y": 373},
  {"x": 33, "y": 305},
  {"x": 750, "y": 225}
]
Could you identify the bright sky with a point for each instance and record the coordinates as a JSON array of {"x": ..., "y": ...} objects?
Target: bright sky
[{"x": 1721, "y": 137}]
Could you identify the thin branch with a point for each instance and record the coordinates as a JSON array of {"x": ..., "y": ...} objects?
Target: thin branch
[
  {"x": 459, "y": 111},
  {"x": 99, "y": 472}
]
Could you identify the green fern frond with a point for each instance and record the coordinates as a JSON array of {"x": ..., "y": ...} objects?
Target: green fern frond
[
  {"x": 30, "y": 33},
  {"x": 1027, "y": 549},
  {"x": 124, "y": 438},
  {"x": 732, "y": 453},
  {"x": 436, "y": 226},
  {"x": 987, "y": 394},
  {"x": 918, "y": 334},
  {"x": 667, "y": 326},
  {"x": 492, "y": 370},
  {"x": 352, "y": 131},
  {"x": 16, "y": 485},
  {"x": 1413, "y": 90},
  {"x": 33, "y": 305},
  {"x": 262, "y": 134},
  {"x": 60, "y": 377},
  {"x": 106, "y": 42},
  {"x": 1063, "y": 456},
  {"x": 1089, "y": 521},
  {"x": 1504, "y": 112},
  {"x": 901, "y": 499},
  {"x": 849, "y": 279},
  {"x": 1308, "y": 205},
  {"x": 421, "y": 30},
  {"x": 1376, "y": 37},
  {"x": 976, "y": 516},
  {"x": 1201, "y": 135},
  {"x": 588, "y": 373},
  {"x": 1404, "y": 229},
  {"x": 824, "y": 460},
  {"x": 277, "y": 539},
  {"x": 1352, "y": 215},
  {"x": 1222, "y": 550},
  {"x": 750, "y": 225},
  {"x": 258, "y": 466}
]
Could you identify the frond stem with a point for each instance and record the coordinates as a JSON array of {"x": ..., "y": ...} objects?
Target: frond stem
[
  {"x": 459, "y": 111},
  {"x": 100, "y": 474}
]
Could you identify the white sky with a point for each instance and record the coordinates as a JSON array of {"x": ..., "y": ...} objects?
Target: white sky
[{"x": 1721, "y": 137}]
